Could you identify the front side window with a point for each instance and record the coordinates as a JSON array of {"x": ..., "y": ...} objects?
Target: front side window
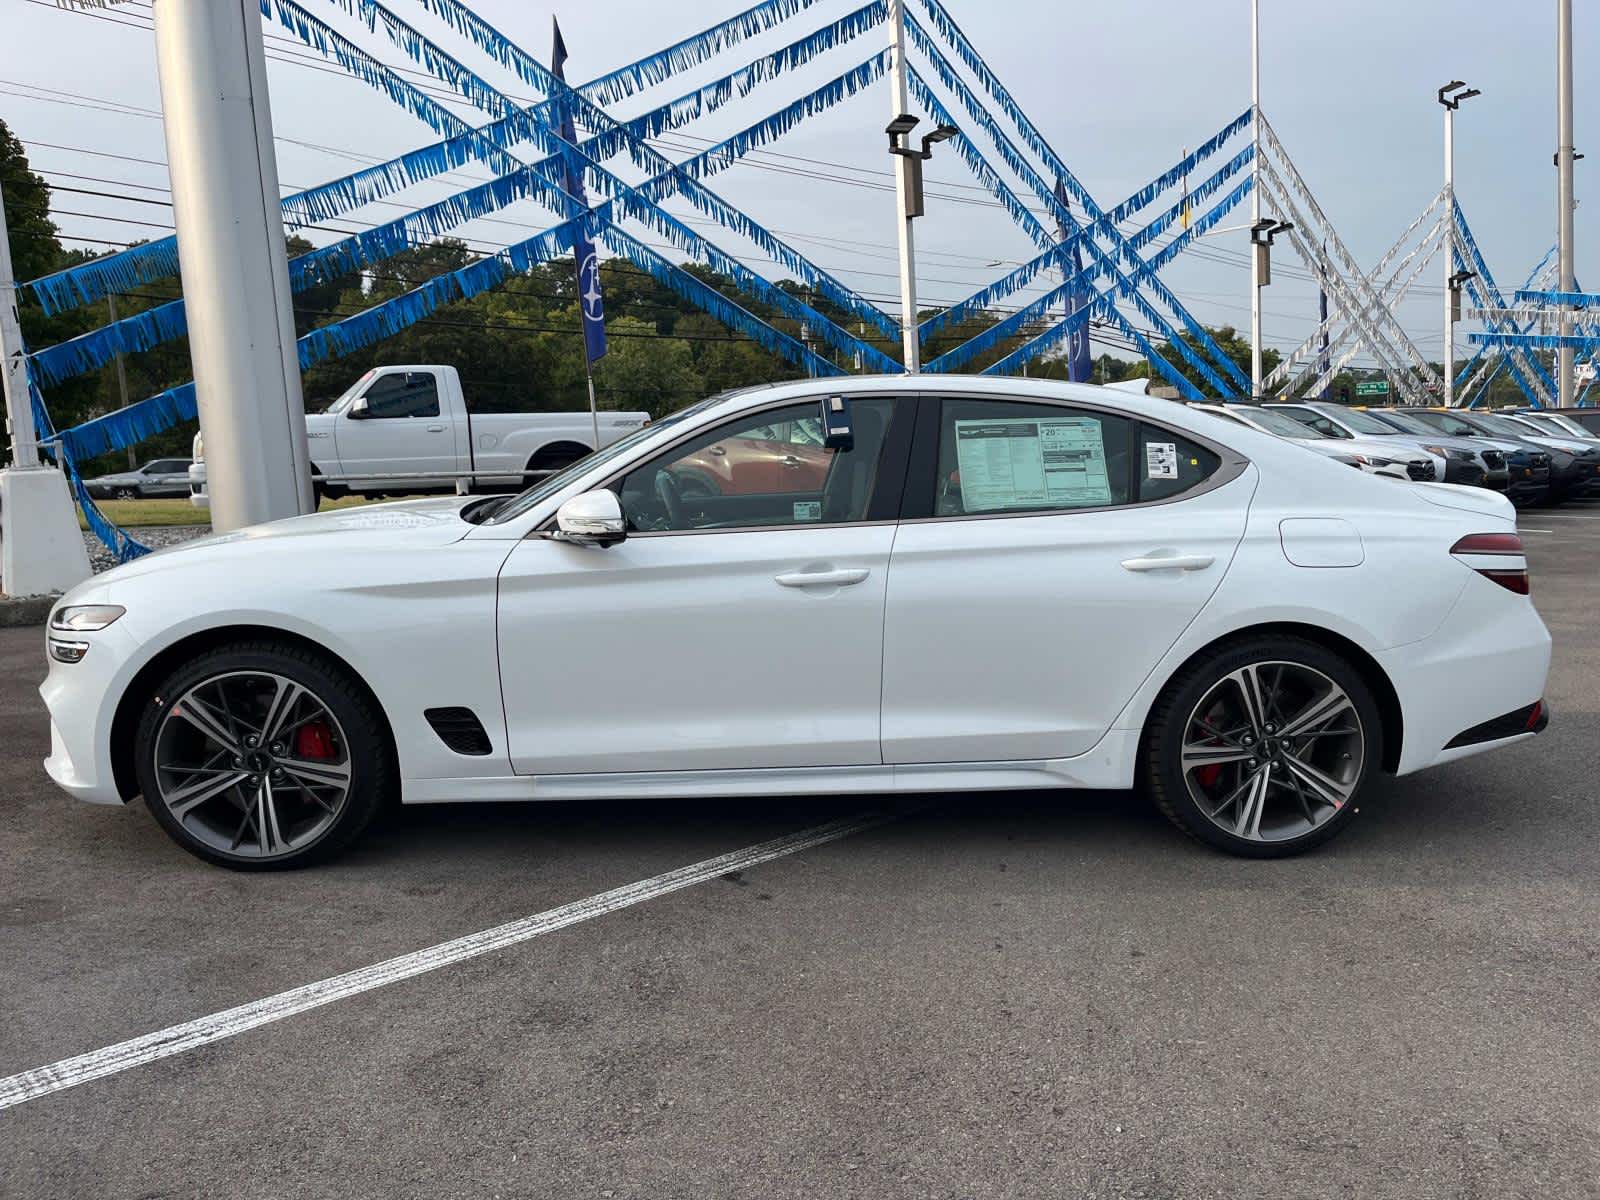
[
  {"x": 761, "y": 469},
  {"x": 403, "y": 394}
]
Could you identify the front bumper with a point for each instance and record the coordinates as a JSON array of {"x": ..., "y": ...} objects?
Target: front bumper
[
  {"x": 82, "y": 700},
  {"x": 1470, "y": 474}
]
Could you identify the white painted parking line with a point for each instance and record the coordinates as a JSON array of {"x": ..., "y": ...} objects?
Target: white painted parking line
[{"x": 177, "y": 1039}]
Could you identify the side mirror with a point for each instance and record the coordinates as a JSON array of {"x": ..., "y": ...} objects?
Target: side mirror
[
  {"x": 592, "y": 519},
  {"x": 358, "y": 409}
]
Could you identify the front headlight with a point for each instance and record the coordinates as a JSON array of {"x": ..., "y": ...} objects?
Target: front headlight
[
  {"x": 198, "y": 452},
  {"x": 85, "y": 618}
]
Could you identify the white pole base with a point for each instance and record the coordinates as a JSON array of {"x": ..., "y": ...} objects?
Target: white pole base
[{"x": 42, "y": 552}]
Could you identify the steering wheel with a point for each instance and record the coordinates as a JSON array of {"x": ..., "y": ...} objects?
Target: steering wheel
[{"x": 671, "y": 500}]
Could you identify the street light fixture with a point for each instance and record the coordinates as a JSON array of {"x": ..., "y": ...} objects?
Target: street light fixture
[
  {"x": 911, "y": 159},
  {"x": 1261, "y": 235}
]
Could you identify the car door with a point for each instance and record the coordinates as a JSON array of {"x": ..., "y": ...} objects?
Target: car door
[
  {"x": 1049, "y": 556},
  {"x": 399, "y": 430},
  {"x": 740, "y": 623}
]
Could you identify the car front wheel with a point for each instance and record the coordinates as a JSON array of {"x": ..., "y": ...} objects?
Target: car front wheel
[
  {"x": 259, "y": 756},
  {"x": 126, "y": 493},
  {"x": 1262, "y": 748}
]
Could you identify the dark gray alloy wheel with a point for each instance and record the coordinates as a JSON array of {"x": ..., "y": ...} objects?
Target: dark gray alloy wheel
[
  {"x": 1263, "y": 750},
  {"x": 261, "y": 757}
]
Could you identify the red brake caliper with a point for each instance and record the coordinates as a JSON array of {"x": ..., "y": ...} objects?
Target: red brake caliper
[{"x": 313, "y": 740}]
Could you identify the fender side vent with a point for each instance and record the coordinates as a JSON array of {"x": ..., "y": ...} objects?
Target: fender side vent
[{"x": 460, "y": 729}]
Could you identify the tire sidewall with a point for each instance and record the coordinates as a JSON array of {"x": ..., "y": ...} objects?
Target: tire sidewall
[
  {"x": 365, "y": 744},
  {"x": 1164, "y": 753}
]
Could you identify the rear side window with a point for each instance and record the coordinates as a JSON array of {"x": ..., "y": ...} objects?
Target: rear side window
[
  {"x": 1016, "y": 457},
  {"x": 1005, "y": 456}
]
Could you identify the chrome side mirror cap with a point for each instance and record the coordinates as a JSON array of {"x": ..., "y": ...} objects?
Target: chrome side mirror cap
[{"x": 592, "y": 519}]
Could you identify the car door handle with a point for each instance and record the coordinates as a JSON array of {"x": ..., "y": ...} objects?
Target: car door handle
[
  {"x": 1169, "y": 562},
  {"x": 809, "y": 579},
  {"x": 435, "y": 428}
]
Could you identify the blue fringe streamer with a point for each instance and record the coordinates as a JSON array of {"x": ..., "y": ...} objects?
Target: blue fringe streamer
[
  {"x": 715, "y": 303},
  {"x": 1014, "y": 160},
  {"x": 89, "y": 351},
  {"x": 653, "y": 69}
]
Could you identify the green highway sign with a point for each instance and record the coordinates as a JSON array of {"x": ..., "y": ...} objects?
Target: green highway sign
[{"x": 1376, "y": 387}]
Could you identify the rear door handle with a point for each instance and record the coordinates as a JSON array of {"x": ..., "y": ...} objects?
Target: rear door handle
[
  {"x": 1169, "y": 562},
  {"x": 809, "y": 579},
  {"x": 435, "y": 428}
]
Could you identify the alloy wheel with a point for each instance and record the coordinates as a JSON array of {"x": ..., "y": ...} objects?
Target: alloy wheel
[
  {"x": 1273, "y": 751},
  {"x": 252, "y": 764}
]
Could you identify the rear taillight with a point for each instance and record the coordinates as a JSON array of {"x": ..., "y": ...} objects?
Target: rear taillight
[{"x": 1496, "y": 556}]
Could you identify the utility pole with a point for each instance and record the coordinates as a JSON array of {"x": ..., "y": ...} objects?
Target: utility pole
[
  {"x": 218, "y": 120},
  {"x": 41, "y": 550},
  {"x": 1565, "y": 155},
  {"x": 122, "y": 372},
  {"x": 1255, "y": 198},
  {"x": 1450, "y": 96},
  {"x": 905, "y": 190}
]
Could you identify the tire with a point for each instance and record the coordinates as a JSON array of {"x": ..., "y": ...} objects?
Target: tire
[
  {"x": 125, "y": 493},
  {"x": 330, "y": 735},
  {"x": 1243, "y": 786}
]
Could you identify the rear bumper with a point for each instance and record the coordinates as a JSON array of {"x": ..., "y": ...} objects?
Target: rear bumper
[{"x": 1488, "y": 658}]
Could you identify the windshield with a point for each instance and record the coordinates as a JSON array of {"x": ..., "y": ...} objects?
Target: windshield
[
  {"x": 522, "y": 502},
  {"x": 1547, "y": 425},
  {"x": 1361, "y": 422},
  {"x": 1405, "y": 423},
  {"x": 349, "y": 394},
  {"x": 1501, "y": 426},
  {"x": 1276, "y": 422}
]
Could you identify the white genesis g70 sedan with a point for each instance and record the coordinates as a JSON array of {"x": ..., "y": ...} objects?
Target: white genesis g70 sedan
[{"x": 851, "y": 585}]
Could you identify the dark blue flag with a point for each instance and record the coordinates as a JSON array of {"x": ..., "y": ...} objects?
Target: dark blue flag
[
  {"x": 1080, "y": 367},
  {"x": 590, "y": 301}
]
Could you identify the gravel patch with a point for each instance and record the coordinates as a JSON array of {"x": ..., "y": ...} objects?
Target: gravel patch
[{"x": 154, "y": 536}]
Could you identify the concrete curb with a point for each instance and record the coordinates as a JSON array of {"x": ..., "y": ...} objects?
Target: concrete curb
[{"x": 16, "y": 611}]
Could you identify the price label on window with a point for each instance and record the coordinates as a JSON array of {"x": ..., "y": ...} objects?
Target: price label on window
[
  {"x": 1160, "y": 460},
  {"x": 1026, "y": 463}
]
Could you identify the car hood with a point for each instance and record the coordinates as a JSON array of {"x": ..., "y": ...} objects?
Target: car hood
[
  {"x": 117, "y": 477},
  {"x": 431, "y": 521}
]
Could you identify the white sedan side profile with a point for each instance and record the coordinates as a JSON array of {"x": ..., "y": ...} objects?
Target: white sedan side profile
[{"x": 855, "y": 585}]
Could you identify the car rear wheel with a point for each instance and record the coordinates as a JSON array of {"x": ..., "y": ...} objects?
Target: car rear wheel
[
  {"x": 259, "y": 756},
  {"x": 1262, "y": 749}
]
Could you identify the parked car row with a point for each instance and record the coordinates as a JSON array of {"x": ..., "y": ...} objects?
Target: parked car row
[{"x": 1531, "y": 456}]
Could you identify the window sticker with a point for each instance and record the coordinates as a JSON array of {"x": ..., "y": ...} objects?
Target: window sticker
[
  {"x": 1025, "y": 463},
  {"x": 808, "y": 510},
  {"x": 1161, "y": 460}
]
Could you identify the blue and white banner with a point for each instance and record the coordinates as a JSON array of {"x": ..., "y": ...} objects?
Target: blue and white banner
[{"x": 591, "y": 301}]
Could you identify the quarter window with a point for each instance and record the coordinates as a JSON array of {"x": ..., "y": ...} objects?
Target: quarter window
[
  {"x": 761, "y": 469},
  {"x": 1169, "y": 464}
]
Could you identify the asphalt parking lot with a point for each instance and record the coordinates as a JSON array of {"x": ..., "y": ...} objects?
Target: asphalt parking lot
[{"x": 1036, "y": 995}]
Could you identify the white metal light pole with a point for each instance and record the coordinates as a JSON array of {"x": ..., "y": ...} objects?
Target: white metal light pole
[
  {"x": 41, "y": 551},
  {"x": 1450, "y": 96},
  {"x": 231, "y": 247},
  {"x": 1564, "y": 205},
  {"x": 1255, "y": 198},
  {"x": 905, "y": 188}
]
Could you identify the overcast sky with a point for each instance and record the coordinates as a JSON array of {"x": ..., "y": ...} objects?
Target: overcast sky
[{"x": 1119, "y": 89}]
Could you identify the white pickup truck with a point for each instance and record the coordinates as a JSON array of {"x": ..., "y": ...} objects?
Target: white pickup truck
[{"x": 406, "y": 429}]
